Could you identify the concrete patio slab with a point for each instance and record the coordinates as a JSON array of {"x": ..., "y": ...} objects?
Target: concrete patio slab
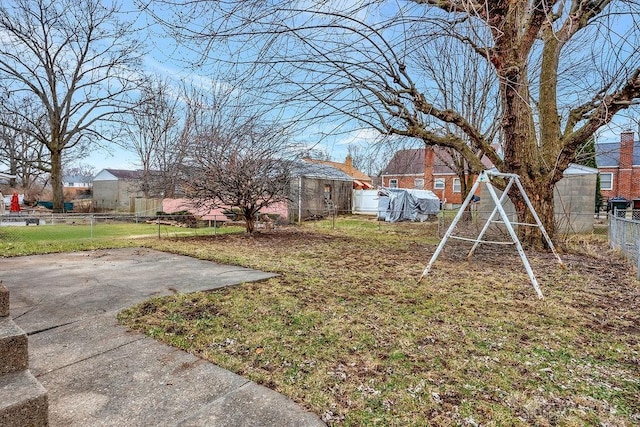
[{"x": 97, "y": 373}]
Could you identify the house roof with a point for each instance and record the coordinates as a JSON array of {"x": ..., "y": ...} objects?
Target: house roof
[
  {"x": 106, "y": 174},
  {"x": 76, "y": 178},
  {"x": 319, "y": 171},
  {"x": 406, "y": 162},
  {"x": 608, "y": 154},
  {"x": 346, "y": 167},
  {"x": 411, "y": 162}
]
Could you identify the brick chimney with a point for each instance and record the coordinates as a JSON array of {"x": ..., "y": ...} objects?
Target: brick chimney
[
  {"x": 626, "y": 149},
  {"x": 348, "y": 163}
]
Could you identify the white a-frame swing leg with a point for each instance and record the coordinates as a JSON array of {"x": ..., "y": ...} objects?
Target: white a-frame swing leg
[
  {"x": 484, "y": 178},
  {"x": 539, "y": 223},
  {"x": 515, "y": 239},
  {"x": 449, "y": 231},
  {"x": 491, "y": 217}
]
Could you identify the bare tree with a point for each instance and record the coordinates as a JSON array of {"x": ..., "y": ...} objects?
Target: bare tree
[
  {"x": 23, "y": 156},
  {"x": 78, "y": 59},
  {"x": 80, "y": 170},
  {"x": 468, "y": 87},
  {"x": 199, "y": 111},
  {"x": 153, "y": 132},
  {"x": 238, "y": 160},
  {"x": 239, "y": 168},
  {"x": 562, "y": 70}
]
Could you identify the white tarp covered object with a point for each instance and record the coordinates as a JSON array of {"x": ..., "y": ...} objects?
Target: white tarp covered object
[{"x": 403, "y": 204}]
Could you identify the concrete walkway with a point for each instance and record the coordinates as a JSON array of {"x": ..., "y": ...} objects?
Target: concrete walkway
[{"x": 99, "y": 374}]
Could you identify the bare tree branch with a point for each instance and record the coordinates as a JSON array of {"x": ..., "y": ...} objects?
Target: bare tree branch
[{"x": 79, "y": 60}]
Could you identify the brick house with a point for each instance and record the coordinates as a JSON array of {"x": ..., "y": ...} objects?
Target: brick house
[
  {"x": 619, "y": 167},
  {"x": 425, "y": 169}
]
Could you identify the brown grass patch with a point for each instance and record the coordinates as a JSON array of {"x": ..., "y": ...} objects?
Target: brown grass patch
[{"x": 348, "y": 332}]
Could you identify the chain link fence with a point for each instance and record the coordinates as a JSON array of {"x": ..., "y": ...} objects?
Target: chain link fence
[
  {"x": 35, "y": 226},
  {"x": 624, "y": 234}
]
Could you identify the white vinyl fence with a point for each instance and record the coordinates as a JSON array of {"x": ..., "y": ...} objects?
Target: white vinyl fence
[{"x": 624, "y": 235}]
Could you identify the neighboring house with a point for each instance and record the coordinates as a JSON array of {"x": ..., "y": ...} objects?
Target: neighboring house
[
  {"x": 116, "y": 189},
  {"x": 170, "y": 206},
  {"x": 361, "y": 181},
  {"x": 619, "y": 167},
  {"x": 317, "y": 190},
  {"x": 76, "y": 181},
  {"x": 5, "y": 200},
  {"x": 574, "y": 199},
  {"x": 425, "y": 169},
  {"x": 76, "y": 185}
]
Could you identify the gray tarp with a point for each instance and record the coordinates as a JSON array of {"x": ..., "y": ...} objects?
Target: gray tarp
[{"x": 407, "y": 205}]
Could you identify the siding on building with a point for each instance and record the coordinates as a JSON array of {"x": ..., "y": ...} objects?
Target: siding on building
[
  {"x": 573, "y": 199},
  {"x": 116, "y": 189}
]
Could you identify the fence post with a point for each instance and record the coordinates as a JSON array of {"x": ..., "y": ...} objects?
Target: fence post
[
  {"x": 612, "y": 231},
  {"x": 638, "y": 258}
]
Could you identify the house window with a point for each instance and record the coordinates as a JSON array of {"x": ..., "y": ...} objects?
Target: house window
[
  {"x": 606, "y": 181},
  {"x": 393, "y": 183},
  {"x": 456, "y": 185},
  {"x": 438, "y": 184},
  {"x": 418, "y": 183}
]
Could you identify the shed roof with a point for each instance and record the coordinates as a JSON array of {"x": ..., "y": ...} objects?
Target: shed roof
[
  {"x": 106, "y": 174},
  {"x": 319, "y": 171},
  {"x": 347, "y": 168}
]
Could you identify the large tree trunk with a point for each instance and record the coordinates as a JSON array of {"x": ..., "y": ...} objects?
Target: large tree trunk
[
  {"x": 56, "y": 181},
  {"x": 541, "y": 198},
  {"x": 13, "y": 170},
  {"x": 522, "y": 151}
]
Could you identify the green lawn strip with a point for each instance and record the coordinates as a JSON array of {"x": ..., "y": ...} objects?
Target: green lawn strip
[{"x": 16, "y": 241}]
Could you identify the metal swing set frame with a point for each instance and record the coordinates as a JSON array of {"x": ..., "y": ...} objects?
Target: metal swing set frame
[{"x": 485, "y": 178}]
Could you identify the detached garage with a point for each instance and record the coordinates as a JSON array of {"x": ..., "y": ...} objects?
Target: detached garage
[{"x": 115, "y": 189}]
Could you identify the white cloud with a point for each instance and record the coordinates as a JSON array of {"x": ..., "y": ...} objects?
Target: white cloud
[{"x": 359, "y": 137}]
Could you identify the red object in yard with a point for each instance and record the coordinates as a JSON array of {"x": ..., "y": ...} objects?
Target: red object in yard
[{"x": 15, "y": 203}]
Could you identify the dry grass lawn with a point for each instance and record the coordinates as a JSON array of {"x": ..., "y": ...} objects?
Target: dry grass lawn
[{"x": 347, "y": 332}]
